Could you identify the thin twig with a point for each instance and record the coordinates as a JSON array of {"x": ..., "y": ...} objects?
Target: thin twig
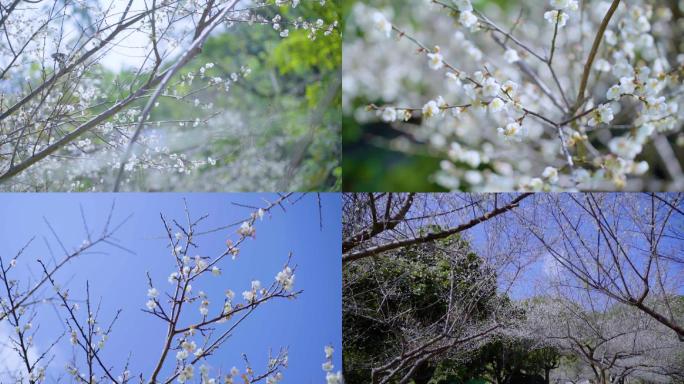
[{"x": 592, "y": 55}]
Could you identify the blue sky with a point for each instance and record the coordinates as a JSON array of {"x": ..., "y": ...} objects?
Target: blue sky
[
  {"x": 534, "y": 279},
  {"x": 304, "y": 325}
]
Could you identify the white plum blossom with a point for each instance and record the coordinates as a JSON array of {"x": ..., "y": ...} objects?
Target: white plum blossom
[
  {"x": 431, "y": 109},
  {"x": 640, "y": 168},
  {"x": 551, "y": 174},
  {"x": 472, "y": 158},
  {"x": 625, "y": 147},
  {"x": 189, "y": 346},
  {"x": 249, "y": 296},
  {"x": 389, "y": 115},
  {"x": 511, "y": 56},
  {"x": 614, "y": 93},
  {"x": 536, "y": 184},
  {"x": 603, "y": 114},
  {"x": 181, "y": 355},
  {"x": 513, "y": 131},
  {"x": 496, "y": 105},
  {"x": 559, "y": 17},
  {"x": 330, "y": 376},
  {"x": 627, "y": 85},
  {"x": 89, "y": 333},
  {"x": 468, "y": 19},
  {"x": 256, "y": 285},
  {"x": 173, "y": 278},
  {"x": 286, "y": 278},
  {"x": 186, "y": 374},
  {"x": 382, "y": 24},
  {"x": 510, "y": 88},
  {"x": 435, "y": 60},
  {"x": 204, "y": 307},
  {"x": 565, "y": 4},
  {"x": 274, "y": 379},
  {"x": 602, "y": 65},
  {"x": 246, "y": 229},
  {"x": 490, "y": 87},
  {"x": 334, "y": 378}
]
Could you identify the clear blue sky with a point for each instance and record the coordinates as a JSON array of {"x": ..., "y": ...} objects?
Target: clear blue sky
[{"x": 304, "y": 325}]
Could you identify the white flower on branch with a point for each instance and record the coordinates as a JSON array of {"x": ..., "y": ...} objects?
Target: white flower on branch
[
  {"x": 564, "y": 4},
  {"x": 556, "y": 18},
  {"x": 246, "y": 229},
  {"x": 151, "y": 305},
  {"x": 551, "y": 174},
  {"x": 435, "y": 60},
  {"x": 382, "y": 24},
  {"x": 512, "y": 131},
  {"x": 431, "y": 109},
  {"x": 186, "y": 374},
  {"x": 389, "y": 114},
  {"x": 468, "y": 20},
  {"x": 286, "y": 278},
  {"x": 511, "y": 56},
  {"x": 190, "y": 333},
  {"x": 152, "y": 293}
]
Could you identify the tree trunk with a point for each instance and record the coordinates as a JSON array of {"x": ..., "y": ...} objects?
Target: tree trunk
[{"x": 547, "y": 371}]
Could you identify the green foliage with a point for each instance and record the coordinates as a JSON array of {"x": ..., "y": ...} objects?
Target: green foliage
[
  {"x": 412, "y": 284},
  {"x": 378, "y": 169},
  {"x": 298, "y": 54},
  {"x": 505, "y": 360}
]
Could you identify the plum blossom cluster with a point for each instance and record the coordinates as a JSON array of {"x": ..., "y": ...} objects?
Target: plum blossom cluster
[
  {"x": 282, "y": 25},
  {"x": 193, "y": 342},
  {"x": 583, "y": 100},
  {"x": 328, "y": 367},
  {"x": 198, "y": 303},
  {"x": 68, "y": 123}
]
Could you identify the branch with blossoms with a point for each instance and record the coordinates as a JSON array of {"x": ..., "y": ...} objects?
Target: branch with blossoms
[
  {"x": 56, "y": 107},
  {"x": 217, "y": 327},
  {"x": 627, "y": 103},
  {"x": 328, "y": 367},
  {"x": 83, "y": 336},
  {"x": 19, "y": 302},
  {"x": 192, "y": 338}
]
